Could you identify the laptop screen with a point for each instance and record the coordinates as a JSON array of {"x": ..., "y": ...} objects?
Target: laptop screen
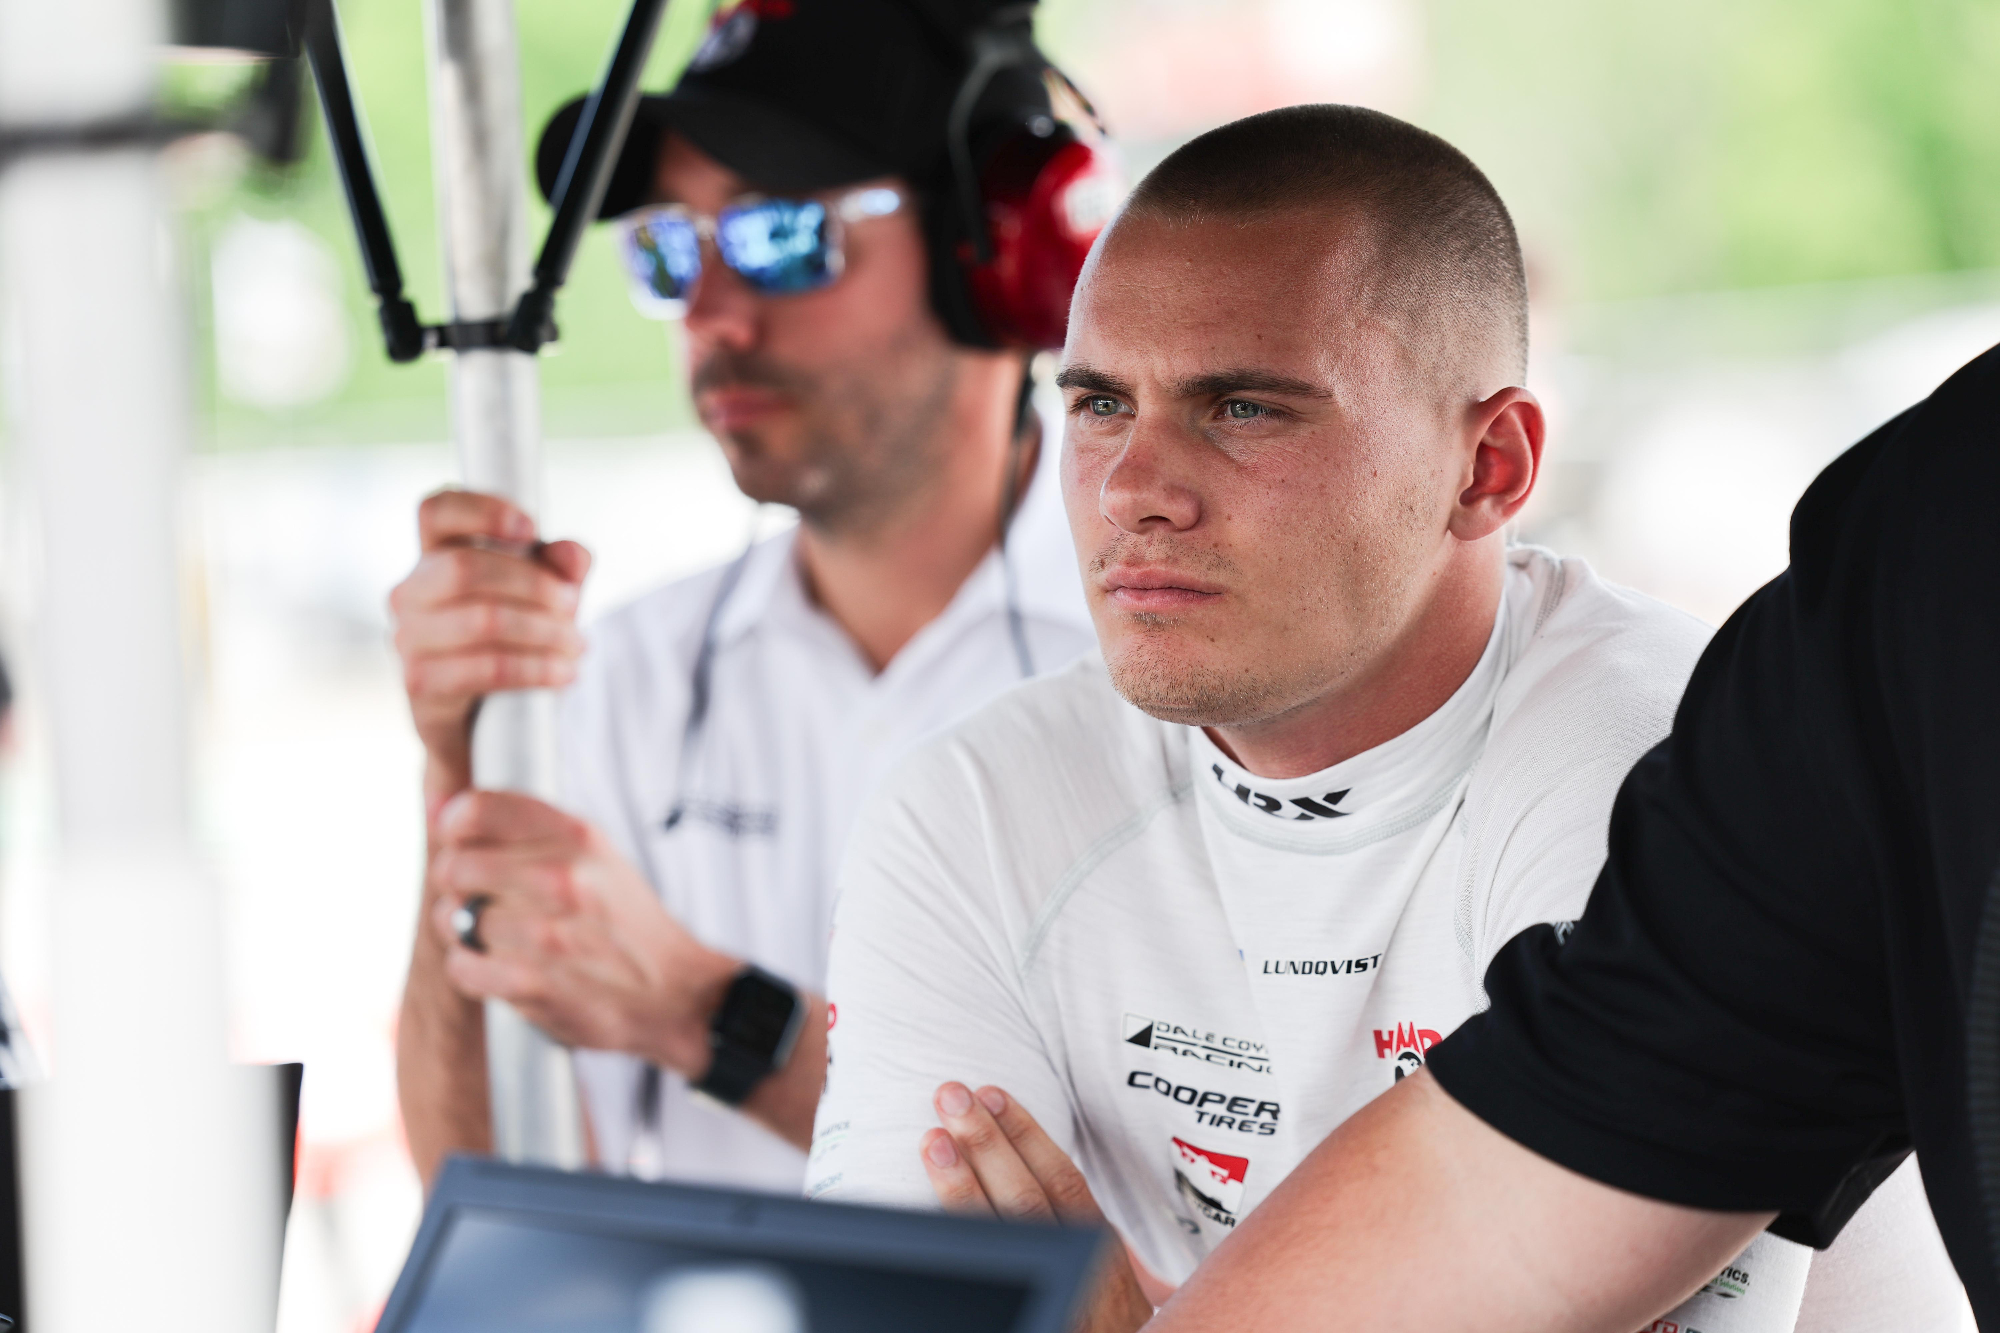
[
  {"x": 516, "y": 1249},
  {"x": 497, "y": 1272}
]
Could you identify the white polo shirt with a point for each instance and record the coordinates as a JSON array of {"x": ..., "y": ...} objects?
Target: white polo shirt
[
  {"x": 1191, "y": 975},
  {"x": 798, "y": 731}
]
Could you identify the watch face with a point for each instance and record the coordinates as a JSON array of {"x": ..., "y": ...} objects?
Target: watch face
[{"x": 755, "y": 1013}]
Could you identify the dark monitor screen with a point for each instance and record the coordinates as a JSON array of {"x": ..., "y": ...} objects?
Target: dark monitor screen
[
  {"x": 497, "y": 1273},
  {"x": 507, "y": 1249}
]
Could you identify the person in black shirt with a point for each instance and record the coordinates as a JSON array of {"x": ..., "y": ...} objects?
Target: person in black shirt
[{"x": 1785, "y": 980}]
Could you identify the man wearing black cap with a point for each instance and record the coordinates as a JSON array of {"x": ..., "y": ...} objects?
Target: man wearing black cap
[{"x": 801, "y": 200}]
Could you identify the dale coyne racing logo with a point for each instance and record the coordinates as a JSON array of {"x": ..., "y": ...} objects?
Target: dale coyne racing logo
[
  {"x": 1194, "y": 1043},
  {"x": 1211, "y": 1182}
]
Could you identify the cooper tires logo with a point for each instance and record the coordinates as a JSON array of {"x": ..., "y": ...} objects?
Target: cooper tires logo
[{"x": 1217, "y": 1110}]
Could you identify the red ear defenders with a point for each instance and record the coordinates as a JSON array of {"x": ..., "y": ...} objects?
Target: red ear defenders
[
  {"x": 1009, "y": 242},
  {"x": 1045, "y": 198}
]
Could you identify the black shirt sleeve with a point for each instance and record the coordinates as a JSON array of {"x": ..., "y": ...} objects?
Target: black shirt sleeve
[{"x": 1762, "y": 1006}]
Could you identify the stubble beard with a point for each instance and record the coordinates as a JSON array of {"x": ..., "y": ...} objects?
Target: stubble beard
[
  {"x": 869, "y": 443},
  {"x": 1155, "y": 663},
  {"x": 1155, "y": 675}
]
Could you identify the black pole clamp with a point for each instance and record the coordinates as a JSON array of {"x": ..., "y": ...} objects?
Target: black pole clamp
[{"x": 579, "y": 191}]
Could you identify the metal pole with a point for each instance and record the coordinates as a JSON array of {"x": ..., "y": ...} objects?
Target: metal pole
[
  {"x": 148, "y": 1185},
  {"x": 480, "y": 164}
]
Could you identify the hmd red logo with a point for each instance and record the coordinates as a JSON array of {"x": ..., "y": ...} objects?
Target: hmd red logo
[{"x": 1406, "y": 1044}]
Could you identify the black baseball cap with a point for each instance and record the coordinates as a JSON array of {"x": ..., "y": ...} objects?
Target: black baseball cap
[{"x": 803, "y": 95}]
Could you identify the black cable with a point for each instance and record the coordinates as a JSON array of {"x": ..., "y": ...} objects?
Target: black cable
[
  {"x": 586, "y": 171},
  {"x": 701, "y": 682},
  {"x": 402, "y": 331},
  {"x": 579, "y": 191}
]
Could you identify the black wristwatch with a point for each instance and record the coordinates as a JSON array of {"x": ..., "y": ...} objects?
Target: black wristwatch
[{"x": 751, "y": 1035}]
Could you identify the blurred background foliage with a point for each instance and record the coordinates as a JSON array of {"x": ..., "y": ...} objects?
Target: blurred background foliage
[
  {"x": 612, "y": 373},
  {"x": 1649, "y": 151},
  {"x": 1709, "y": 145}
]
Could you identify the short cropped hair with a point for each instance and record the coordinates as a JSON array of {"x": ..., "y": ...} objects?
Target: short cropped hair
[{"x": 1437, "y": 222}]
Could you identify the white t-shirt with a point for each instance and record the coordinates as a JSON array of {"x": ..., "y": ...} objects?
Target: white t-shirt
[
  {"x": 798, "y": 731},
  {"x": 1189, "y": 974}
]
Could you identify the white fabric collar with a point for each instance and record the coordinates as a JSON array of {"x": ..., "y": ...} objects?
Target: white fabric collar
[
  {"x": 1377, "y": 793},
  {"x": 772, "y": 591}
]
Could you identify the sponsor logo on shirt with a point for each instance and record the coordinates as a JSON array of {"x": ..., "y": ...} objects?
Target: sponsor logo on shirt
[
  {"x": 738, "y": 821},
  {"x": 1405, "y": 1044},
  {"x": 1307, "y": 808},
  {"x": 1730, "y": 1283},
  {"x": 830, "y": 1137},
  {"x": 1211, "y": 1182},
  {"x": 1321, "y": 967},
  {"x": 1193, "y": 1043},
  {"x": 1217, "y": 1110}
]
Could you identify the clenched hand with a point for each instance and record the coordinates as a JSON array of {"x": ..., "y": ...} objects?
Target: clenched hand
[
  {"x": 992, "y": 1159},
  {"x": 487, "y": 608},
  {"x": 572, "y": 934}
]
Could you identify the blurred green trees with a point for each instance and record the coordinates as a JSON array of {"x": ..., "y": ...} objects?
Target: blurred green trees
[
  {"x": 613, "y": 371},
  {"x": 1714, "y": 144},
  {"x": 1646, "y": 149}
]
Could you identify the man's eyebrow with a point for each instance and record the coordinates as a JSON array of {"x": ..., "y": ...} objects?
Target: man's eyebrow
[
  {"x": 1090, "y": 377},
  {"x": 1214, "y": 384},
  {"x": 1222, "y": 383}
]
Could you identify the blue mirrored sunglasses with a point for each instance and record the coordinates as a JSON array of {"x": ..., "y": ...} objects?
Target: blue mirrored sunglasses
[{"x": 780, "y": 247}]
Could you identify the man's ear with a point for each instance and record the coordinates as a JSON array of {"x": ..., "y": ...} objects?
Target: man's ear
[{"x": 1508, "y": 428}]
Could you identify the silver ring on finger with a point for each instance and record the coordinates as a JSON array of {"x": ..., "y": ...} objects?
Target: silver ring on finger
[{"x": 465, "y": 921}]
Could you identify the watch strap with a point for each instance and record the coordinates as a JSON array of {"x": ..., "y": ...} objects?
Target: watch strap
[
  {"x": 736, "y": 1068},
  {"x": 733, "y": 1074}
]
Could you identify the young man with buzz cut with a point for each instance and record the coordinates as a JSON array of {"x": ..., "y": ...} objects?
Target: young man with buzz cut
[{"x": 1134, "y": 939}]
